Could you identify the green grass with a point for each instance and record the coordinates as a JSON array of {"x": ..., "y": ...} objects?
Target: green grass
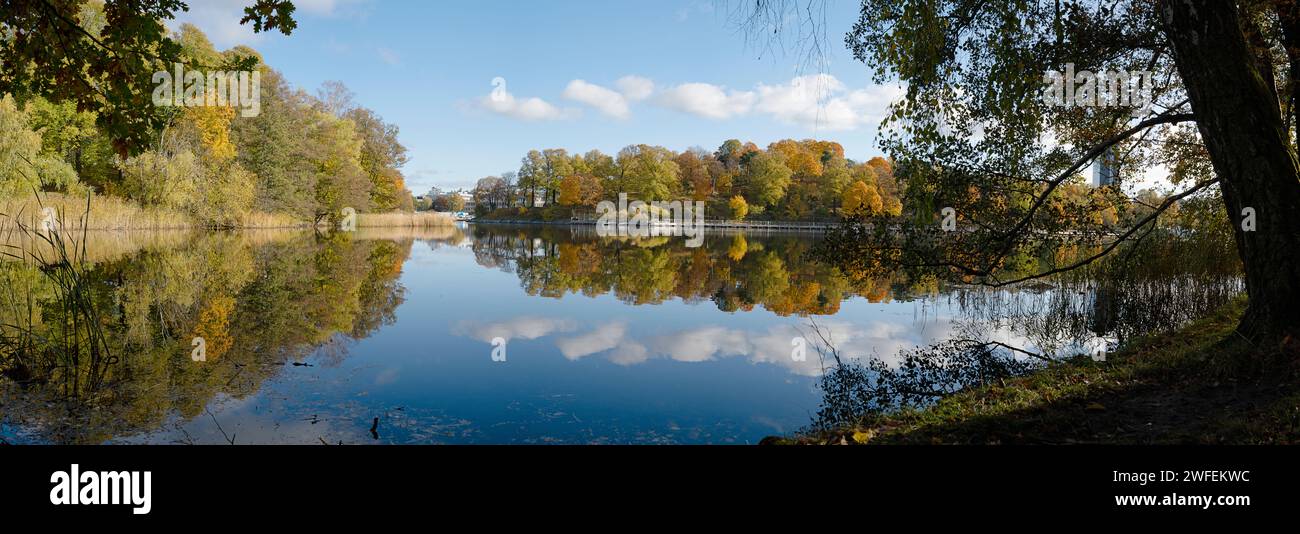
[{"x": 1201, "y": 384}]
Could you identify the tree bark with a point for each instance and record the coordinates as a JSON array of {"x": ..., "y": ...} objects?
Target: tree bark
[{"x": 1240, "y": 120}]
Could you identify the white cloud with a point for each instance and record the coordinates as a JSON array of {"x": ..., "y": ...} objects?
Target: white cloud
[
  {"x": 601, "y": 339},
  {"x": 502, "y": 102},
  {"x": 702, "y": 344},
  {"x": 822, "y": 101},
  {"x": 773, "y": 346},
  {"x": 629, "y": 353},
  {"x": 819, "y": 101},
  {"x": 517, "y": 328},
  {"x": 609, "y": 102},
  {"x": 707, "y": 100},
  {"x": 635, "y": 88}
]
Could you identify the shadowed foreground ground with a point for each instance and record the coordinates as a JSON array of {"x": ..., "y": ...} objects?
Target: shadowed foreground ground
[{"x": 1198, "y": 385}]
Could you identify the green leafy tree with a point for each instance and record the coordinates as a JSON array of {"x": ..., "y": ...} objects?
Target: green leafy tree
[
  {"x": 555, "y": 166},
  {"x": 765, "y": 179},
  {"x": 532, "y": 174},
  {"x": 647, "y": 172},
  {"x": 155, "y": 179},
  {"x": 102, "y": 56},
  {"x": 334, "y": 153},
  {"x": 273, "y": 146},
  {"x": 24, "y": 167},
  {"x": 382, "y": 157}
]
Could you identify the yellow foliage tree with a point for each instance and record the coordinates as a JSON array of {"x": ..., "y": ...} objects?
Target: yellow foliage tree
[
  {"x": 570, "y": 190},
  {"x": 214, "y": 326},
  {"x": 739, "y": 208},
  {"x": 882, "y": 166},
  {"x": 212, "y": 124},
  {"x": 802, "y": 158},
  {"x": 861, "y": 199},
  {"x": 738, "y": 248}
]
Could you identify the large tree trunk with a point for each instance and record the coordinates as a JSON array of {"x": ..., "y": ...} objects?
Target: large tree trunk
[{"x": 1241, "y": 123}]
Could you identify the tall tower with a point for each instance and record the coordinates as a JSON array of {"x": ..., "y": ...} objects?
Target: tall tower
[{"x": 1105, "y": 171}]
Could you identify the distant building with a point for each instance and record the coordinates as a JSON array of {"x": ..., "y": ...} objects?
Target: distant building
[
  {"x": 1105, "y": 171},
  {"x": 539, "y": 202}
]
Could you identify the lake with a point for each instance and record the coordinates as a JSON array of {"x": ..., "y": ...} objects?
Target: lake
[{"x": 509, "y": 334}]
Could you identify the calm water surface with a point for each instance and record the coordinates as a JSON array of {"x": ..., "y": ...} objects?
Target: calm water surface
[{"x": 311, "y": 338}]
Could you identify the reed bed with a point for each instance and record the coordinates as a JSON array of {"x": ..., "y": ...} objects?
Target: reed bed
[
  {"x": 95, "y": 213},
  {"x": 422, "y": 219},
  {"x": 259, "y": 219},
  {"x": 68, "y": 338}
]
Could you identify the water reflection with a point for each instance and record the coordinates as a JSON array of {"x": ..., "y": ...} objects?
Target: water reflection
[
  {"x": 311, "y": 337},
  {"x": 260, "y": 300}
]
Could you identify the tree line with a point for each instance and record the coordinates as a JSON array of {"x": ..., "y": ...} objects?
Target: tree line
[
  {"x": 808, "y": 179},
  {"x": 303, "y": 156},
  {"x": 789, "y": 180}
]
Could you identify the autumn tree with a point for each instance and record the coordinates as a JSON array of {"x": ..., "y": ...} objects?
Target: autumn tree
[
  {"x": 764, "y": 179},
  {"x": 695, "y": 176},
  {"x": 647, "y": 172},
  {"x": 273, "y": 146},
  {"x": 382, "y": 157},
  {"x": 861, "y": 199},
  {"x": 532, "y": 174},
  {"x": 449, "y": 202},
  {"x": 553, "y": 167},
  {"x": 1222, "y": 81},
  {"x": 570, "y": 190},
  {"x": 334, "y": 154},
  {"x": 739, "y": 208},
  {"x": 102, "y": 57},
  {"x": 492, "y": 192}
]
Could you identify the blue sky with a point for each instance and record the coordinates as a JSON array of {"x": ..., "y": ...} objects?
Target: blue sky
[{"x": 577, "y": 75}]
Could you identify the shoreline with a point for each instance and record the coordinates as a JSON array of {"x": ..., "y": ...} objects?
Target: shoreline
[
  {"x": 1197, "y": 384},
  {"x": 810, "y": 226}
]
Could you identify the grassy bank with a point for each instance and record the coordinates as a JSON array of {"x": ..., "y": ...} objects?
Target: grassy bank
[{"x": 1201, "y": 384}]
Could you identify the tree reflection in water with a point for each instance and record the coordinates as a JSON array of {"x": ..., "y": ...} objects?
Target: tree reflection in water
[
  {"x": 261, "y": 300},
  {"x": 264, "y": 300}
]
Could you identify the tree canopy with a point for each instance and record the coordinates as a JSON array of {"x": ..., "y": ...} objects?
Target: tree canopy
[
  {"x": 974, "y": 132},
  {"x": 101, "y": 56}
]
